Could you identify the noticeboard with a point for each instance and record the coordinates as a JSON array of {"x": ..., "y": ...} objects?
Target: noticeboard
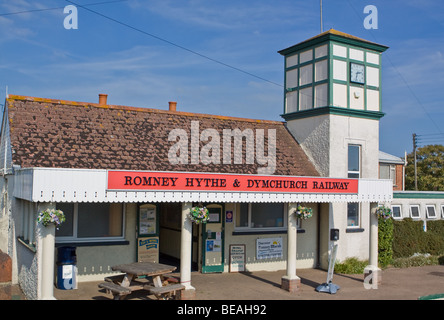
[
  {"x": 237, "y": 257},
  {"x": 269, "y": 248},
  {"x": 148, "y": 249},
  {"x": 147, "y": 220}
]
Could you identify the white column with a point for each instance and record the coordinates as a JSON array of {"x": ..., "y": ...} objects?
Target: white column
[
  {"x": 372, "y": 273},
  {"x": 373, "y": 250},
  {"x": 185, "y": 247},
  {"x": 47, "y": 262},
  {"x": 291, "y": 281}
]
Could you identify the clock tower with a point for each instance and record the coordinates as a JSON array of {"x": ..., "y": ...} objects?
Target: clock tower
[
  {"x": 332, "y": 106},
  {"x": 333, "y": 99}
]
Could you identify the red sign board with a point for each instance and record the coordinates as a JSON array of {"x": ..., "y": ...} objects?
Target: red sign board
[{"x": 182, "y": 181}]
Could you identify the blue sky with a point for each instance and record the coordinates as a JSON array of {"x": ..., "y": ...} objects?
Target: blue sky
[{"x": 39, "y": 57}]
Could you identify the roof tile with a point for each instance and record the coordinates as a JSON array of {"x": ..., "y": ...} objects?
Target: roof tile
[{"x": 67, "y": 134}]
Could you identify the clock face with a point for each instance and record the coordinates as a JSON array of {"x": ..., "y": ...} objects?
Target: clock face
[{"x": 357, "y": 73}]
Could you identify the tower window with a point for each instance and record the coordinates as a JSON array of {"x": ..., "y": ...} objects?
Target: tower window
[{"x": 354, "y": 161}]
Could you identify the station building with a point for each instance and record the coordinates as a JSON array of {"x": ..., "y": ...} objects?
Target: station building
[{"x": 127, "y": 177}]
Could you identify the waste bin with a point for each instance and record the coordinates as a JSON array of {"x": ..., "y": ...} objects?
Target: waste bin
[{"x": 66, "y": 268}]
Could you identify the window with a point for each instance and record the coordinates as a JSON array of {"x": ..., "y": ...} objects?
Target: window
[
  {"x": 260, "y": 216},
  {"x": 29, "y": 217},
  {"x": 430, "y": 212},
  {"x": 91, "y": 222},
  {"x": 396, "y": 211},
  {"x": 442, "y": 211},
  {"x": 353, "y": 215},
  {"x": 387, "y": 171},
  {"x": 414, "y": 211},
  {"x": 306, "y": 75},
  {"x": 305, "y": 99},
  {"x": 354, "y": 160}
]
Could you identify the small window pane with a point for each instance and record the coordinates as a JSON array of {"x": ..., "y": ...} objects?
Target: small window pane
[
  {"x": 305, "y": 99},
  {"x": 414, "y": 211},
  {"x": 353, "y": 161},
  {"x": 321, "y": 51},
  {"x": 431, "y": 212},
  {"x": 384, "y": 171},
  {"x": 66, "y": 228},
  {"x": 396, "y": 210},
  {"x": 306, "y": 75},
  {"x": 321, "y": 95},
  {"x": 99, "y": 220},
  {"x": 266, "y": 215},
  {"x": 321, "y": 70},
  {"x": 291, "y": 102},
  {"x": 242, "y": 216},
  {"x": 352, "y": 215},
  {"x": 306, "y": 56},
  {"x": 292, "y": 78},
  {"x": 292, "y": 60}
]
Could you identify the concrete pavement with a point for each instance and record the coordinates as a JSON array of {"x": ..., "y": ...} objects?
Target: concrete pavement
[{"x": 397, "y": 284}]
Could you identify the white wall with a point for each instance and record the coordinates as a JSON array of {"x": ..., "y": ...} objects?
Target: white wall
[
  {"x": 325, "y": 139},
  {"x": 306, "y": 244}
]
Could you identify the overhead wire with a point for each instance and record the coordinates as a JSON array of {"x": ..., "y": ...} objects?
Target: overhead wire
[
  {"x": 57, "y": 8},
  {"x": 174, "y": 44}
]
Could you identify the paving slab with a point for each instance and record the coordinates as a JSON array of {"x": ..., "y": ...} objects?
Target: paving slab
[{"x": 397, "y": 284}]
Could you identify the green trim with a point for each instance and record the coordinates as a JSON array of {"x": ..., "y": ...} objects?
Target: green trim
[
  {"x": 332, "y": 37},
  {"x": 436, "y": 296},
  {"x": 373, "y": 115},
  {"x": 215, "y": 268},
  {"x": 418, "y": 195}
]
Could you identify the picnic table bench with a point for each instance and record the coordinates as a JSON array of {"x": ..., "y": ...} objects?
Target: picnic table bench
[
  {"x": 115, "y": 289},
  {"x": 142, "y": 276},
  {"x": 166, "y": 292}
]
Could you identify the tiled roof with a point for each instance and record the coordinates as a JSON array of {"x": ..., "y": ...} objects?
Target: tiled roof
[{"x": 68, "y": 134}]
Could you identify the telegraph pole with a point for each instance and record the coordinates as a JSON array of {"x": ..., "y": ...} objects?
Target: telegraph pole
[{"x": 414, "y": 152}]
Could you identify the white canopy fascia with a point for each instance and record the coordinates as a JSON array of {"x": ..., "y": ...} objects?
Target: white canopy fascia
[{"x": 90, "y": 185}]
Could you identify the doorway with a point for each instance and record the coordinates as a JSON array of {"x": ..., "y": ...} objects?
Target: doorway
[{"x": 213, "y": 240}]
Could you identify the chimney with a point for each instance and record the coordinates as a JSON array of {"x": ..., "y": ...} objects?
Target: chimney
[
  {"x": 172, "y": 105},
  {"x": 102, "y": 99}
]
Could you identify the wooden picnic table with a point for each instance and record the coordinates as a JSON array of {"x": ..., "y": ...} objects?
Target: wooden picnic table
[{"x": 121, "y": 286}]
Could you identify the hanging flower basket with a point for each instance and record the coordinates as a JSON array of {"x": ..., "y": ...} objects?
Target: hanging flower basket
[
  {"x": 199, "y": 215},
  {"x": 303, "y": 212},
  {"x": 383, "y": 212},
  {"x": 48, "y": 216}
]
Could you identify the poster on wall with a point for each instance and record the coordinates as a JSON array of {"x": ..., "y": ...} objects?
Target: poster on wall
[
  {"x": 269, "y": 248},
  {"x": 237, "y": 257},
  {"x": 214, "y": 245},
  {"x": 148, "y": 249},
  {"x": 147, "y": 221}
]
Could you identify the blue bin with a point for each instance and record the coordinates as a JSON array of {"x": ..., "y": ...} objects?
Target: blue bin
[
  {"x": 66, "y": 268},
  {"x": 66, "y": 255}
]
